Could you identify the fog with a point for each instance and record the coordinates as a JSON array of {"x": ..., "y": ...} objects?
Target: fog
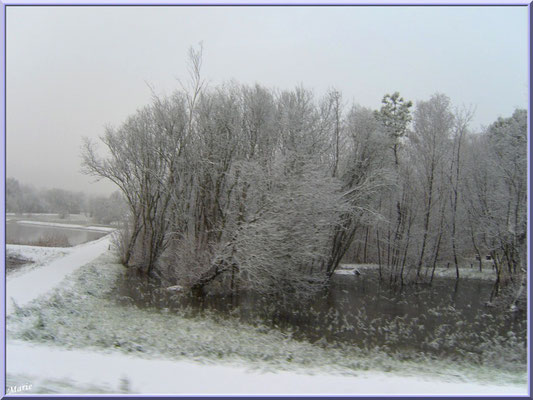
[{"x": 73, "y": 70}]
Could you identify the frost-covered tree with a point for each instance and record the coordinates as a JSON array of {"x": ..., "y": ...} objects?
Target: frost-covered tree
[
  {"x": 144, "y": 155},
  {"x": 108, "y": 210},
  {"x": 282, "y": 243},
  {"x": 203, "y": 184},
  {"x": 280, "y": 203},
  {"x": 456, "y": 183},
  {"x": 364, "y": 176},
  {"x": 496, "y": 195},
  {"x": 433, "y": 124}
]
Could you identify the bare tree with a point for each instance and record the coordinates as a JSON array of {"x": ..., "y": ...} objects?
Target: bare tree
[
  {"x": 462, "y": 119},
  {"x": 433, "y": 123}
]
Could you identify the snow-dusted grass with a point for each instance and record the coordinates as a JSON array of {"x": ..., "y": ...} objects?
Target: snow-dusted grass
[{"x": 83, "y": 314}]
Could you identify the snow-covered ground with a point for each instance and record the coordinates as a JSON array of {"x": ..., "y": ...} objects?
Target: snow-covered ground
[
  {"x": 116, "y": 372},
  {"x": 51, "y": 368},
  {"x": 354, "y": 269},
  {"x": 351, "y": 271},
  {"x": 24, "y": 288}
]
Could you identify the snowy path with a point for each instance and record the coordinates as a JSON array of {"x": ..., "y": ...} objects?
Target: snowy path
[
  {"x": 25, "y": 288},
  {"x": 146, "y": 376}
]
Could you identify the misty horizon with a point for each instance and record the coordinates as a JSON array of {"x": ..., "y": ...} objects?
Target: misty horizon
[{"x": 96, "y": 66}]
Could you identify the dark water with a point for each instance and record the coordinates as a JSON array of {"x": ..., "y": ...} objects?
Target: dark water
[
  {"x": 33, "y": 234},
  {"x": 445, "y": 318}
]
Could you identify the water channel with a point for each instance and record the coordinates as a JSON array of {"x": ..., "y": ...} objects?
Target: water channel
[
  {"x": 19, "y": 233},
  {"x": 445, "y": 318}
]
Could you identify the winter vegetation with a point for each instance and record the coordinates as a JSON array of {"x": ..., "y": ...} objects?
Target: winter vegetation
[{"x": 245, "y": 188}]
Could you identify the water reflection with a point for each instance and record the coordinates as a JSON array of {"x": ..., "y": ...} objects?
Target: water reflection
[
  {"x": 29, "y": 234},
  {"x": 444, "y": 318}
]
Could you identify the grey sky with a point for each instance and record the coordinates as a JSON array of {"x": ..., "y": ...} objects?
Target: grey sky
[{"x": 72, "y": 70}]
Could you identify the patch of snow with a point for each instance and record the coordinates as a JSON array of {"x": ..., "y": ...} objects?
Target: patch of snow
[
  {"x": 359, "y": 267},
  {"x": 101, "y": 228},
  {"x": 347, "y": 272},
  {"x": 157, "y": 376},
  {"x": 176, "y": 288},
  {"x": 24, "y": 288}
]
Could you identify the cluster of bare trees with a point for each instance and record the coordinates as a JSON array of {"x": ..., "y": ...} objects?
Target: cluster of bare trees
[
  {"x": 247, "y": 187},
  {"x": 457, "y": 196},
  {"x": 496, "y": 192}
]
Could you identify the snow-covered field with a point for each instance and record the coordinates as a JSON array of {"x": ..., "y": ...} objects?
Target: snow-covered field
[
  {"x": 68, "y": 226},
  {"x": 51, "y": 217},
  {"x": 68, "y": 336}
]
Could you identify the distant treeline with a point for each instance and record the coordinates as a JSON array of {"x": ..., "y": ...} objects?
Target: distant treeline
[{"x": 26, "y": 199}]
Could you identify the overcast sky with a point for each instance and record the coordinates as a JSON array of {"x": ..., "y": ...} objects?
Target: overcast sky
[{"x": 73, "y": 70}]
